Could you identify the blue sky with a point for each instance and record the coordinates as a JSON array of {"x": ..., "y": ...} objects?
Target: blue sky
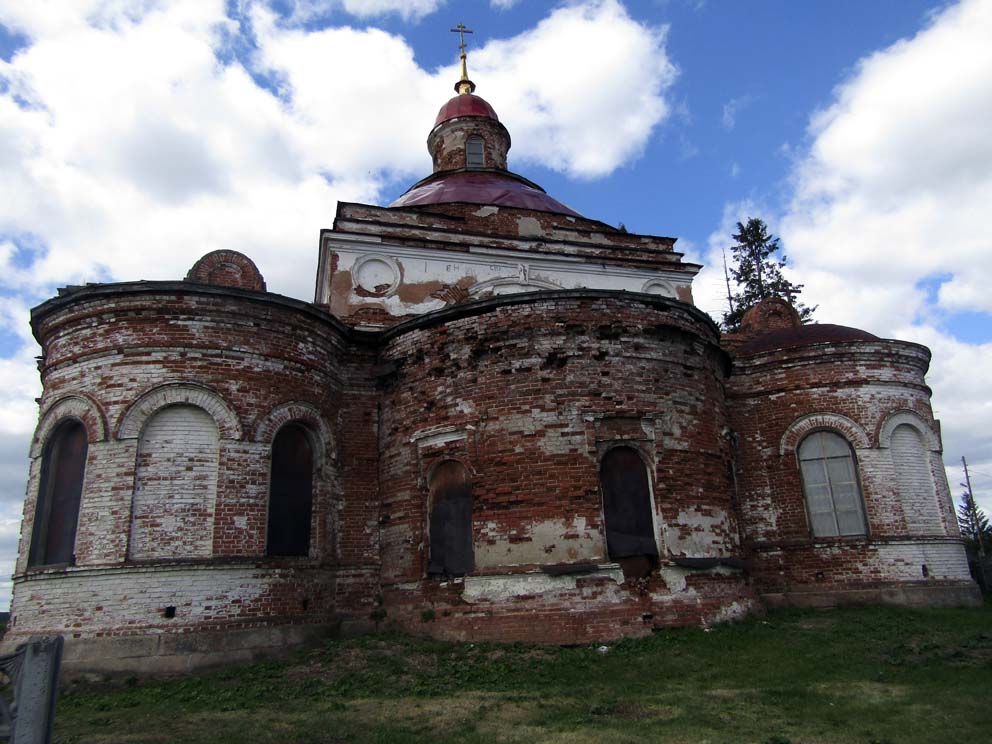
[{"x": 136, "y": 135}]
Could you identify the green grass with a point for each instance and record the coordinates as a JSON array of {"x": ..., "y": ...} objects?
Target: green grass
[{"x": 870, "y": 675}]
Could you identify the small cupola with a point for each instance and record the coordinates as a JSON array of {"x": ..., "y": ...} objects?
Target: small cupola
[{"x": 467, "y": 134}]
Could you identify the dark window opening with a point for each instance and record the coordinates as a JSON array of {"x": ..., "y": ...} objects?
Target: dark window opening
[
  {"x": 451, "y": 551},
  {"x": 630, "y": 538},
  {"x": 290, "y": 493},
  {"x": 474, "y": 155},
  {"x": 56, "y": 515}
]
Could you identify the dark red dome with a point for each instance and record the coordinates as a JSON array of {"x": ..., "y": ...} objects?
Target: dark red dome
[
  {"x": 474, "y": 187},
  {"x": 804, "y": 335},
  {"x": 465, "y": 104}
]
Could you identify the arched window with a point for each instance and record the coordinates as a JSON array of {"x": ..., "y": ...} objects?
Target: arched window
[
  {"x": 830, "y": 482},
  {"x": 175, "y": 485},
  {"x": 63, "y": 465},
  {"x": 474, "y": 153},
  {"x": 630, "y": 538},
  {"x": 290, "y": 493},
  {"x": 915, "y": 481},
  {"x": 451, "y": 551}
]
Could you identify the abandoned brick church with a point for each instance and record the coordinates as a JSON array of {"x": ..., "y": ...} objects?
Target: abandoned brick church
[{"x": 499, "y": 419}]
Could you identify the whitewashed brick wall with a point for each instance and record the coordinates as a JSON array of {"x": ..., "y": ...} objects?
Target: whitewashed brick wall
[
  {"x": 914, "y": 480},
  {"x": 905, "y": 561},
  {"x": 175, "y": 485}
]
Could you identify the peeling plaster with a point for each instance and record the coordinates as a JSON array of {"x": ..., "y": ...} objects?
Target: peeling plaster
[
  {"x": 548, "y": 542},
  {"x": 502, "y": 588}
]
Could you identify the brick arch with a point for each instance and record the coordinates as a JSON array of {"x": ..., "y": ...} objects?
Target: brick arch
[
  {"x": 852, "y": 431},
  {"x": 439, "y": 459},
  {"x": 266, "y": 427},
  {"x": 225, "y": 268},
  {"x": 912, "y": 418},
  {"x": 643, "y": 448},
  {"x": 136, "y": 416},
  {"x": 74, "y": 405}
]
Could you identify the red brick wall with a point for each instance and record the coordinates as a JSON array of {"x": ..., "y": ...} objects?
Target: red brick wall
[
  {"x": 852, "y": 388},
  {"x": 528, "y": 396},
  {"x": 242, "y": 357}
]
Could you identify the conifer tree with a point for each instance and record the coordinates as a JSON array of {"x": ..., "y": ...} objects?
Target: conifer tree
[
  {"x": 975, "y": 527},
  {"x": 757, "y": 270}
]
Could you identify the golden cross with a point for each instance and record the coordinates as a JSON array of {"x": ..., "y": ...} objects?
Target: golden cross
[{"x": 461, "y": 31}]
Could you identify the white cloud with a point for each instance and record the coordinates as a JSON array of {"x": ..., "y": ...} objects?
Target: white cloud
[
  {"x": 299, "y": 12},
  {"x": 133, "y": 139},
  {"x": 894, "y": 191},
  {"x": 503, "y": 4},
  {"x": 898, "y": 179},
  {"x": 138, "y": 151},
  {"x": 582, "y": 91},
  {"x": 730, "y": 110}
]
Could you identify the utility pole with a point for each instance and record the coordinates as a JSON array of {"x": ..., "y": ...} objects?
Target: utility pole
[
  {"x": 726, "y": 276},
  {"x": 973, "y": 509}
]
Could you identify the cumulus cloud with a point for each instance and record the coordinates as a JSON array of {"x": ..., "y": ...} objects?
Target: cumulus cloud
[
  {"x": 299, "y": 12},
  {"x": 898, "y": 179},
  {"x": 137, "y": 135},
  {"x": 583, "y": 90},
  {"x": 129, "y": 149},
  {"x": 892, "y": 196}
]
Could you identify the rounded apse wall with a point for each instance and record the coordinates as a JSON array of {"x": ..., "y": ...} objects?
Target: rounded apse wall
[
  {"x": 870, "y": 397},
  {"x": 171, "y": 534},
  {"x": 528, "y": 393}
]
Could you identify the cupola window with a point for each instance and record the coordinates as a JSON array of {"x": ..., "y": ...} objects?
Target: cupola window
[{"x": 474, "y": 153}]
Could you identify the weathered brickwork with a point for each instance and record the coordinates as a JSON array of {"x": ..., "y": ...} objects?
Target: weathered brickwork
[
  {"x": 529, "y": 396},
  {"x": 507, "y": 422},
  {"x": 236, "y": 365},
  {"x": 858, "y": 389}
]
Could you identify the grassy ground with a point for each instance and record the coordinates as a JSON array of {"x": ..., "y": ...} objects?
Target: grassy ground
[{"x": 870, "y": 676}]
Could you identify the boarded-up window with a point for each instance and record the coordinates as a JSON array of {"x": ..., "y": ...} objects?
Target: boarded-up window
[
  {"x": 914, "y": 480},
  {"x": 830, "y": 482},
  {"x": 451, "y": 552},
  {"x": 474, "y": 157},
  {"x": 175, "y": 486},
  {"x": 290, "y": 493},
  {"x": 56, "y": 514},
  {"x": 630, "y": 538}
]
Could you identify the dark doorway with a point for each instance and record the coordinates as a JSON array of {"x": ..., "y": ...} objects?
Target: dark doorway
[
  {"x": 630, "y": 537},
  {"x": 63, "y": 465},
  {"x": 290, "y": 493},
  {"x": 451, "y": 551}
]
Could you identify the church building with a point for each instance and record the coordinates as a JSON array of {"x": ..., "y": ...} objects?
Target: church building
[{"x": 498, "y": 420}]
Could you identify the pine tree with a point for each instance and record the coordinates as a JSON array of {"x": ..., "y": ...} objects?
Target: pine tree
[
  {"x": 757, "y": 270},
  {"x": 975, "y": 527}
]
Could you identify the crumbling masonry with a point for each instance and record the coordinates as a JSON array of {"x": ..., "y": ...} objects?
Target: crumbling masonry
[{"x": 497, "y": 420}]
